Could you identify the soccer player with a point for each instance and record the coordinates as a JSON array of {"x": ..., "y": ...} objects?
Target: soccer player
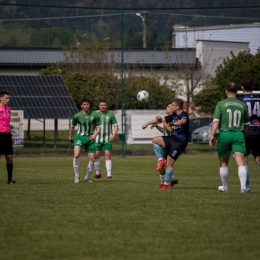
[
  {"x": 6, "y": 138},
  {"x": 252, "y": 137},
  {"x": 89, "y": 126},
  {"x": 159, "y": 151},
  {"x": 231, "y": 117},
  {"x": 109, "y": 128},
  {"x": 178, "y": 125}
]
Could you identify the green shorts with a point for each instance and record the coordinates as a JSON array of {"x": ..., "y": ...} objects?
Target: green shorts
[
  {"x": 164, "y": 153},
  {"x": 107, "y": 146},
  {"x": 85, "y": 142},
  {"x": 231, "y": 142}
]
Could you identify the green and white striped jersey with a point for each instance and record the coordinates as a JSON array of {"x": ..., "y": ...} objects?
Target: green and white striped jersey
[
  {"x": 108, "y": 121},
  {"x": 87, "y": 123}
]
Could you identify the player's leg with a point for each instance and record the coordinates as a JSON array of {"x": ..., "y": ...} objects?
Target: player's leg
[
  {"x": 76, "y": 164},
  {"x": 162, "y": 173},
  {"x": 108, "y": 151},
  {"x": 168, "y": 173},
  {"x": 90, "y": 148},
  {"x": 248, "y": 151},
  {"x": 163, "y": 170},
  {"x": 90, "y": 167},
  {"x": 224, "y": 151},
  {"x": 242, "y": 172},
  {"x": 158, "y": 144},
  {"x": 108, "y": 164},
  {"x": 247, "y": 174},
  {"x": 239, "y": 149},
  {"x": 257, "y": 160},
  {"x": 79, "y": 143},
  {"x": 97, "y": 160},
  {"x": 255, "y": 147},
  {"x": 175, "y": 150},
  {"x": 223, "y": 172}
]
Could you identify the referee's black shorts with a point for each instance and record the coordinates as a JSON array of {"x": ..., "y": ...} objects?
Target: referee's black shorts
[
  {"x": 174, "y": 148},
  {"x": 6, "y": 145}
]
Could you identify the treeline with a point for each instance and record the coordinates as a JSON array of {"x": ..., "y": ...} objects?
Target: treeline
[{"x": 24, "y": 26}]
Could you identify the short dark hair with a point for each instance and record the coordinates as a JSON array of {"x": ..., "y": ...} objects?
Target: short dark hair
[
  {"x": 179, "y": 102},
  {"x": 231, "y": 87},
  {"x": 169, "y": 103},
  {"x": 247, "y": 84},
  {"x": 102, "y": 101},
  {"x": 83, "y": 100},
  {"x": 2, "y": 93}
]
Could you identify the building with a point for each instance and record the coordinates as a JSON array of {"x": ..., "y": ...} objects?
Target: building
[
  {"x": 186, "y": 37},
  {"x": 210, "y": 54}
]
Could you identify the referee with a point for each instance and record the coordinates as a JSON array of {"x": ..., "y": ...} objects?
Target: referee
[{"x": 6, "y": 139}]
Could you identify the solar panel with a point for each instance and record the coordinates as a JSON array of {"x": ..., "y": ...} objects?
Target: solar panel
[{"x": 39, "y": 96}]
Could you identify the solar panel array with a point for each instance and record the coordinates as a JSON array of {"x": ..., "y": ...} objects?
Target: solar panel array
[{"x": 39, "y": 96}]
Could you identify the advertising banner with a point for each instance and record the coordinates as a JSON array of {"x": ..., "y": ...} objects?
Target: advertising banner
[{"x": 17, "y": 127}]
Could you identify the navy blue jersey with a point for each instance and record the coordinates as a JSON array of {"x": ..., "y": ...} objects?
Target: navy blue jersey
[
  {"x": 179, "y": 133},
  {"x": 253, "y": 106}
]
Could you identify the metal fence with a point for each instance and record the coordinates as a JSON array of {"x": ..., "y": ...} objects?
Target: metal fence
[{"x": 155, "y": 42}]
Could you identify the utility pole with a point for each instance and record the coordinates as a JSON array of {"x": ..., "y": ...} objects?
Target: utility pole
[{"x": 143, "y": 17}]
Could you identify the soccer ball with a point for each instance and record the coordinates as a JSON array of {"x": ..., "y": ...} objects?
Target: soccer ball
[{"x": 143, "y": 96}]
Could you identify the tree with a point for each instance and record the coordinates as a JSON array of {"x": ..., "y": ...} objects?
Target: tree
[
  {"x": 51, "y": 37},
  {"x": 189, "y": 79},
  {"x": 209, "y": 97},
  {"x": 238, "y": 67},
  {"x": 233, "y": 69},
  {"x": 12, "y": 41},
  {"x": 88, "y": 73}
]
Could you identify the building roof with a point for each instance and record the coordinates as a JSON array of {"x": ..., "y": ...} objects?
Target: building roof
[
  {"x": 42, "y": 57},
  {"x": 215, "y": 41},
  {"x": 178, "y": 27}
]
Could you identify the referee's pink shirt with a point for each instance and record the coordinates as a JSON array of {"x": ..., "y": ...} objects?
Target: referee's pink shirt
[{"x": 5, "y": 116}]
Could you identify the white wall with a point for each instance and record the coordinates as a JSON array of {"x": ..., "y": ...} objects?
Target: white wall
[
  {"x": 133, "y": 121},
  {"x": 212, "y": 53}
]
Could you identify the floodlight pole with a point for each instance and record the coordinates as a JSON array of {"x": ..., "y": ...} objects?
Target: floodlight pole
[
  {"x": 122, "y": 85},
  {"x": 143, "y": 17}
]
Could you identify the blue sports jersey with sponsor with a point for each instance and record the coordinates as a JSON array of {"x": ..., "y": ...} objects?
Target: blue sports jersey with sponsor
[
  {"x": 179, "y": 133},
  {"x": 253, "y": 106}
]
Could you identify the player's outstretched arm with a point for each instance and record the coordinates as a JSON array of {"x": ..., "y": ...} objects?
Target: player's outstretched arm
[
  {"x": 157, "y": 127},
  {"x": 153, "y": 122}
]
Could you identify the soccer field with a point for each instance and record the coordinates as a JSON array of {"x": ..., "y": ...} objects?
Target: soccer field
[{"x": 45, "y": 215}]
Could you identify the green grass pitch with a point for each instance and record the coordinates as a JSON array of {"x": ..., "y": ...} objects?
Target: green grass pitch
[{"x": 45, "y": 215}]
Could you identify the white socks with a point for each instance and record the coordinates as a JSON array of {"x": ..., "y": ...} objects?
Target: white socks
[
  {"x": 76, "y": 166},
  {"x": 97, "y": 166},
  {"x": 242, "y": 176},
  {"x": 162, "y": 178},
  {"x": 223, "y": 171},
  {"x": 109, "y": 167},
  {"x": 89, "y": 169}
]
